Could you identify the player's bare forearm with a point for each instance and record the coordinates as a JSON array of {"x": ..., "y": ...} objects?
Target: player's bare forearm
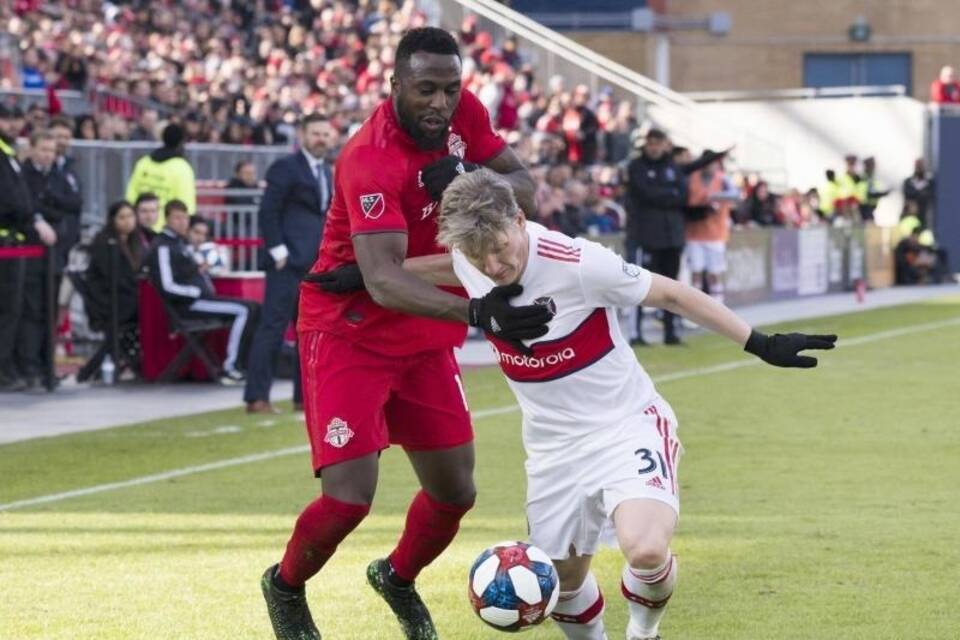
[
  {"x": 436, "y": 269},
  {"x": 380, "y": 257},
  {"x": 510, "y": 167},
  {"x": 695, "y": 305}
]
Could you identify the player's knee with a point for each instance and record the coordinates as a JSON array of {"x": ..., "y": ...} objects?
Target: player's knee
[
  {"x": 463, "y": 494},
  {"x": 647, "y": 552},
  {"x": 571, "y": 574}
]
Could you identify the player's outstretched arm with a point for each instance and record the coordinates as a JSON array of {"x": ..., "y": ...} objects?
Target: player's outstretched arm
[{"x": 781, "y": 350}]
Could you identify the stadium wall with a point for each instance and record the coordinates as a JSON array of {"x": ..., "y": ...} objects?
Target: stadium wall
[{"x": 766, "y": 45}]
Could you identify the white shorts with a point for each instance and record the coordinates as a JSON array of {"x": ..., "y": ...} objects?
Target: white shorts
[
  {"x": 706, "y": 256},
  {"x": 571, "y": 502}
]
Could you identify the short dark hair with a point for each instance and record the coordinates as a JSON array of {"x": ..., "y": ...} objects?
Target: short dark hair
[
  {"x": 656, "y": 134},
  {"x": 175, "y": 205},
  {"x": 146, "y": 196},
  {"x": 197, "y": 220},
  {"x": 427, "y": 40},
  {"x": 173, "y": 136},
  {"x": 61, "y": 121},
  {"x": 310, "y": 118},
  {"x": 241, "y": 164}
]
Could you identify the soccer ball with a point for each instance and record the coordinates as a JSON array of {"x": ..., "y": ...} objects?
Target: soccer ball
[
  {"x": 214, "y": 256},
  {"x": 513, "y": 586}
]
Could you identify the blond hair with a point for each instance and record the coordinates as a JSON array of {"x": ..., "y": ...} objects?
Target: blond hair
[{"x": 477, "y": 207}]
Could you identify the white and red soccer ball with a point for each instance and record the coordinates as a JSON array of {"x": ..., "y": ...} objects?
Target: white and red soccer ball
[{"x": 513, "y": 585}]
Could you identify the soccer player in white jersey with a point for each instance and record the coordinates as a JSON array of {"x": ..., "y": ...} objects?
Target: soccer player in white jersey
[{"x": 601, "y": 443}]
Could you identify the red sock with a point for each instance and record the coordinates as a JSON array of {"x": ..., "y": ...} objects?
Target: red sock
[
  {"x": 430, "y": 529},
  {"x": 320, "y": 528}
]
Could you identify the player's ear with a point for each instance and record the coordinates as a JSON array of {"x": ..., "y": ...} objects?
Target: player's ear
[{"x": 521, "y": 218}]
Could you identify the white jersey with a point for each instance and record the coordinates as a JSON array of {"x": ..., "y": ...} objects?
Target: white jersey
[{"x": 583, "y": 376}]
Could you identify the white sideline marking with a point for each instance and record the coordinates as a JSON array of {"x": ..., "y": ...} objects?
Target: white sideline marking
[{"x": 477, "y": 415}]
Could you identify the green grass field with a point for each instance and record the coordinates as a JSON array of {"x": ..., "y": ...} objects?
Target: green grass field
[{"x": 816, "y": 504}]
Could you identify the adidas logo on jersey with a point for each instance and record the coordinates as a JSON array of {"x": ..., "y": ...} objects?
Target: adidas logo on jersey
[
  {"x": 534, "y": 362},
  {"x": 655, "y": 482}
]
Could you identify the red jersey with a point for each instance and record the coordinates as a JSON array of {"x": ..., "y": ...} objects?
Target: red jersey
[{"x": 378, "y": 189}]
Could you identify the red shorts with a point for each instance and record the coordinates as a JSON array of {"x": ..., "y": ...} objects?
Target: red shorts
[{"x": 357, "y": 401}]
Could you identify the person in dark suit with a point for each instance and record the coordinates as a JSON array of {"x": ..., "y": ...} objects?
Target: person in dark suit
[
  {"x": 292, "y": 213},
  {"x": 656, "y": 195}
]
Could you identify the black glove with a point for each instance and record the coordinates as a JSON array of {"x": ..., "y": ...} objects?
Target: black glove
[
  {"x": 494, "y": 314},
  {"x": 438, "y": 175},
  {"x": 344, "y": 279},
  {"x": 782, "y": 349}
]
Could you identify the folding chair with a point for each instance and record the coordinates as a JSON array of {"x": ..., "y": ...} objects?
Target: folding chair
[{"x": 193, "y": 331}]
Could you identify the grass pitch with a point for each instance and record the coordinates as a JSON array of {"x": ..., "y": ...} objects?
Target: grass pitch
[{"x": 816, "y": 504}]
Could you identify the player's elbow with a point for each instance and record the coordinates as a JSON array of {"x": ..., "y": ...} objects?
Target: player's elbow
[{"x": 380, "y": 287}]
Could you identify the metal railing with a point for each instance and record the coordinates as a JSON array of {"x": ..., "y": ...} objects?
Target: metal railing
[
  {"x": 233, "y": 216},
  {"x": 74, "y": 103},
  {"x": 552, "y": 53},
  {"x": 103, "y": 168},
  {"x": 799, "y": 93}
]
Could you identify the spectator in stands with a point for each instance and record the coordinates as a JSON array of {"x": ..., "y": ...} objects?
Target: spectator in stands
[
  {"x": 147, "y": 208},
  {"x": 68, "y": 232},
  {"x": 292, "y": 213},
  {"x": 762, "y": 206},
  {"x": 166, "y": 173},
  {"x": 919, "y": 189},
  {"x": 570, "y": 218},
  {"x": 914, "y": 262},
  {"x": 33, "y": 68},
  {"x": 244, "y": 177},
  {"x": 656, "y": 195},
  {"x": 828, "y": 195},
  {"x": 711, "y": 197},
  {"x": 16, "y": 220},
  {"x": 86, "y": 128},
  {"x": 53, "y": 200},
  {"x": 617, "y": 132},
  {"x": 177, "y": 277},
  {"x": 19, "y": 122},
  {"x": 146, "y": 127},
  {"x": 871, "y": 190},
  {"x": 945, "y": 89},
  {"x": 116, "y": 249},
  {"x": 580, "y": 126},
  {"x": 851, "y": 191}
]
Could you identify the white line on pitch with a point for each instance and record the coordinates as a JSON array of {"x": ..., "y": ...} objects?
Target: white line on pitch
[{"x": 477, "y": 415}]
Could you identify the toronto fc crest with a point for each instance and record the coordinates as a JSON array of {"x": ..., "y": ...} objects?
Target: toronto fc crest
[{"x": 338, "y": 433}]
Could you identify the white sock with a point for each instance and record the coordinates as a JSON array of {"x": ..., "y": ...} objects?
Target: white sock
[
  {"x": 647, "y": 593},
  {"x": 579, "y": 614}
]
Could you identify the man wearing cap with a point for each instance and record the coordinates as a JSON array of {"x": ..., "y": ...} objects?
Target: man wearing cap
[
  {"x": 16, "y": 213},
  {"x": 166, "y": 173}
]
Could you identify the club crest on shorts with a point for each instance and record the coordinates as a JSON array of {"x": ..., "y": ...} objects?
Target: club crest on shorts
[
  {"x": 372, "y": 205},
  {"x": 456, "y": 146},
  {"x": 338, "y": 433}
]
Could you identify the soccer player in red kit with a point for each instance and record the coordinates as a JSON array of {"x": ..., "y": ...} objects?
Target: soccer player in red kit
[{"x": 378, "y": 365}]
